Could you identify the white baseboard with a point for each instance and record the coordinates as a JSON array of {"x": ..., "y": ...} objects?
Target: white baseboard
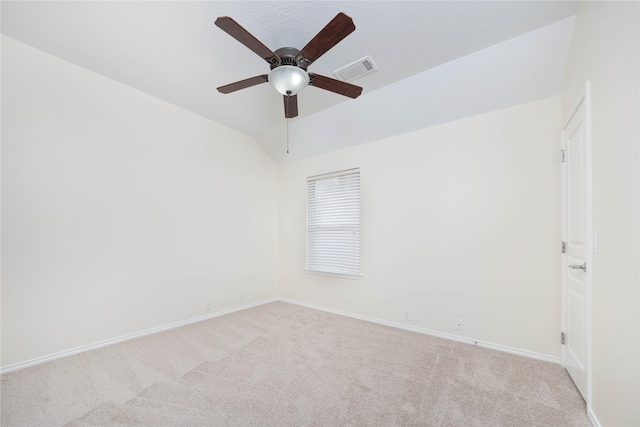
[
  {"x": 82, "y": 349},
  {"x": 48, "y": 358},
  {"x": 593, "y": 418},
  {"x": 505, "y": 349}
]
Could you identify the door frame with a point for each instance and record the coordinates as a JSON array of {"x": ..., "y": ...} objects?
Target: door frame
[{"x": 584, "y": 97}]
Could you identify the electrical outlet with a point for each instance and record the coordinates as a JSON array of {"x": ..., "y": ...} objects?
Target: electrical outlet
[
  {"x": 407, "y": 314},
  {"x": 208, "y": 305},
  {"x": 241, "y": 298},
  {"x": 459, "y": 324}
]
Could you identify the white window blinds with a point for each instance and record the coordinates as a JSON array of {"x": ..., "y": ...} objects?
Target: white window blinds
[{"x": 333, "y": 223}]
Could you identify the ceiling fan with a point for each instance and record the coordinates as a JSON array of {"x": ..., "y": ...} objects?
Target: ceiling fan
[{"x": 289, "y": 65}]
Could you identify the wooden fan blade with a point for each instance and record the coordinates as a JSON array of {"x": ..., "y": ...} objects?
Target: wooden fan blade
[
  {"x": 336, "y": 30},
  {"x": 236, "y": 31},
  {"x": 290, "y": 106},
  {"x": 232, "y": 87},
  {"x": 333, "y": 85}
]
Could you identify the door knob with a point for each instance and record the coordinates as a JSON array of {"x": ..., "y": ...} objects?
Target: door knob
[{"x": 579, "y": 267}]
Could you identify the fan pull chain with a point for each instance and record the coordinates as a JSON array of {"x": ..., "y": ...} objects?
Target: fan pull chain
[{"x": 287, "y": 136}]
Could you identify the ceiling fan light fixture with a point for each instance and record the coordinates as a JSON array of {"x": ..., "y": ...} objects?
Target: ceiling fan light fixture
[
  {"x": 288, "y": 79},
  {"x": 289, "y": 65}
]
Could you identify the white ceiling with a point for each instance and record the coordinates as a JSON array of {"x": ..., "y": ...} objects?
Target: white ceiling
[{"x": 437, "y": 60}]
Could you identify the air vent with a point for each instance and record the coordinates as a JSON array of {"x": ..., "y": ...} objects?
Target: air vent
[{"x": 357, "y": 69}]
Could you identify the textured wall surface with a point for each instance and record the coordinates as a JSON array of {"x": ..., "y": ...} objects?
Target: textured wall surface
[
  {"x": 459, "y": 221},
  {"x": 120, "y": 212}
]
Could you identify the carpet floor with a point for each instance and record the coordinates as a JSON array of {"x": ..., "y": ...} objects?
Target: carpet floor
[{"x": 281, "y": 364}]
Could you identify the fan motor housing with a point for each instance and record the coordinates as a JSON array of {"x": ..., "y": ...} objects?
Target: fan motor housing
[{"x": 290, "y": 56}]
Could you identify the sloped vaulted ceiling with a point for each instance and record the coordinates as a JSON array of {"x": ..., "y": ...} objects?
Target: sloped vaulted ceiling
[{"x": 438, "y": 60}]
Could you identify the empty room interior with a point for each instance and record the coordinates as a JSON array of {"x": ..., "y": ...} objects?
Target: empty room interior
[{"x": 320, "y": 213}]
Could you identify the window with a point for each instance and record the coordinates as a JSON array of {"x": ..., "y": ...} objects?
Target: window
[{"x": 333, "y": 223}]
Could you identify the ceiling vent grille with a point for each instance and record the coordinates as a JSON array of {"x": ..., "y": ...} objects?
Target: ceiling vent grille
[{"x": 357, "y": 69}]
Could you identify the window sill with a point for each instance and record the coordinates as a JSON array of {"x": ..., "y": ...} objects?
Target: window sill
[{"x": 340, "y": 275}]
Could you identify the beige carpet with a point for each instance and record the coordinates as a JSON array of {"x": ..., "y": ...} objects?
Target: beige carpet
[{"x": 285, "y": 365}]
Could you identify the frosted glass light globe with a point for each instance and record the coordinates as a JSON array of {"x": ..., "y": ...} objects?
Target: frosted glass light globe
[{"x": 288, "y": 79}]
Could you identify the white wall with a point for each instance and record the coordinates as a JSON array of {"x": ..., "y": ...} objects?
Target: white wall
[
  {"x": 121, "y": 212},
  {"x": 459, "y": 220},
  {"x": 605, "y": 50}
]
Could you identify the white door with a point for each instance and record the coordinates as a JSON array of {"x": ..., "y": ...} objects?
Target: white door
[{"x": 576, "y": 260}]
